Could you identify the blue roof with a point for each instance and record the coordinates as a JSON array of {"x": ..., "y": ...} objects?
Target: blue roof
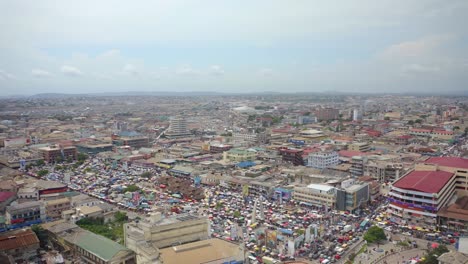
[{"x": 245, "y": 164}]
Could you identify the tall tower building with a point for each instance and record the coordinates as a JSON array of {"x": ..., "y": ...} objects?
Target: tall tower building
[{"x": 177, "y": 128}]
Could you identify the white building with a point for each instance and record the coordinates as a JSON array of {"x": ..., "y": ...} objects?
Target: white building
[
  {"x": 178, "y": 127},
  {"x": 323, "y": 159}
]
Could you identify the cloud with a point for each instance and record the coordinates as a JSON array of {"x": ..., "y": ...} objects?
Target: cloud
[
  {"x": 415, "y": 48},
  {"x": 71, "y": 71},
  {"x": 110, "y": 53},
  {"x": 265, "y": 72},
  {"x": 216, "y": 70},
  {"x": 187, "y": 70},
  {"x": 419, "y": 69},
  {"x": 130, "y": 69},
  {"x": 39, "y": 73},
  {"x": 6, "y": 75}
]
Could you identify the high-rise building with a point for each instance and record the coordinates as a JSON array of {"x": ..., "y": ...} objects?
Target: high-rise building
[
  {"x": 177, "y": 128},
  {"x": 327, "y": 114},
  {"x": 323, "y": 159},
  {"x": 357, "y": 116}
]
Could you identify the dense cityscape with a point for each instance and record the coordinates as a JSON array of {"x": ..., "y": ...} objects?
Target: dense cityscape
[
  {"x": 246, "y": 178},
  {"x": 234, "y": 132}
]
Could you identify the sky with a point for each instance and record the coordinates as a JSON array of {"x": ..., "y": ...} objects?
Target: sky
[{"x": 233, "y": 46}]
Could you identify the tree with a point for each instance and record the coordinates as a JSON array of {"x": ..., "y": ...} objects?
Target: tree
[
  {"x": 375, "y": 234},
  {"x": 236, "y": 214},
  {"x": 41, "y": 234},
  {"x": 82, "y": 157},
  {"x": 131, "y": 188},
  {"x": 432, "y": 255},
  {"x": 42, "y": 173},
  {"x": 411, "y": 122},
  {"x": 146, "y": 175},
  {"x": 40, "y": 163},
  {"x": 120, "y": 216}
]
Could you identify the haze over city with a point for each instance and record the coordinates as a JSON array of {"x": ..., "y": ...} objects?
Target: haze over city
[{"x": 233, "y": 46}]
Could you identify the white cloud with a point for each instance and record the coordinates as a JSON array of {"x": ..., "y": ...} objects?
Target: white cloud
[
  {"x": 39, "y": 73},
  {"x": 419, "y": 69},
  {"x": 130, "y": 69},
  {"x": 71, "y": 71},
  {"x": 415, "y": 48},
  {"x": 6, "y": 75},
  {"x": 265, "y": 72},
  {"x": 110, "y": 53},
  {"x": 187, "y": 70},
  {"x": 216, "y": 70}
]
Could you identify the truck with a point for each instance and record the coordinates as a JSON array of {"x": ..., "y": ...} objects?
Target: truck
[{"x": 347, "y": 228}]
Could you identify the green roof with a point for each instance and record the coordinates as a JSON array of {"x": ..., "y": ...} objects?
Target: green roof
[{"x": 100, "y": 246}]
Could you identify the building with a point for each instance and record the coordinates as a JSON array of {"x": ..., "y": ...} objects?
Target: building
[
  {"x": 87, "y": 246},
  {"x": 357, "y": 165},
  {"x": 357, "y": 116},
  {"x": 383, "y": 171},
  {"x": 417, "y": 197},
  {"x": 316, "y": 195},
  {"x": 432, "y": 133},
  {"x": 21, "y": 245},
  {"x": 293, "y": 156},
  {"x": 134, "y": 142},
  {"x": 219, "y": 148},
  {"x": 55, "y": 153},
  {"x": 28, "y": 212},
  {"x": 352, "y": 195},
  {"x": 146, "y": 237},
  {"x": 207, "y": 251},
  {"x": 359, "y": 146},
  {"x": 93, "y": 149},
  {"x": 238, "y": 155},
  {"x": 327, "y": 114},
  {"x": 54, "y": 208},
  {"x": 6, "y": 198},
  {"x": 177, "y": 128},
  {"x": 249, "y": 139},
  {"x": 323, "y": 159}
]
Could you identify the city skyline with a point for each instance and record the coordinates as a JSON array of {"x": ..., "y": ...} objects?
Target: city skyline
[{"x": 242, "y": 47}]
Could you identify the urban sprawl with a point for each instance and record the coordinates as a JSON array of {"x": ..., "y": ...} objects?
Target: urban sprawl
[{"x": 267, "y": 178}]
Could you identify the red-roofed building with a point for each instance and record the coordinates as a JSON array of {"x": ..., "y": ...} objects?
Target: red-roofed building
[
  {"x": 416, "y": 197},
  {"x": 21, "y": 245},
  {"x": 5, "y": 199},
  {"x": 433, "y": 133}
]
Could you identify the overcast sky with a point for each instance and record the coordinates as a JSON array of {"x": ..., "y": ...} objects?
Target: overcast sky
[{"x": 233, "y": 46}]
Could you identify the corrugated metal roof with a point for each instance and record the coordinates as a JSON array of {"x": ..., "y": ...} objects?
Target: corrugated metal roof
[{"x": 14, "y": 240}]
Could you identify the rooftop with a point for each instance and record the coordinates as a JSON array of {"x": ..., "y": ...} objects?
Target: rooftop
[
  {"x": 320, "y": 187},
  {"x": 453, "y": 162},
  {"x": 424, "y": 181},
  {"x": 201, "y": 252},
  {"x": 99, "y": 246},
  {"x": 17, "y": 240},
  {"x": 5, "y": 196}
]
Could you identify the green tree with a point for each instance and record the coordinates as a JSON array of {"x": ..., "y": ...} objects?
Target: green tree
[
  {"x": 131, "y": 188},
  {"x": 236, "y": 214},
  {"x": 411, "y": 122},
  {"x": 41, "y": 234},
  {"x": 82, "y": 157},
  {"x": 432, "y": 255},
  {"x": 42, "y": 173},
  {"x": 120, "y": 216},
  {"x": 40, "y": 163},
  {"x": 419, "y": 121},
  {"x": 375, "y": 234},
  {"x": 146, "y": 175}
]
